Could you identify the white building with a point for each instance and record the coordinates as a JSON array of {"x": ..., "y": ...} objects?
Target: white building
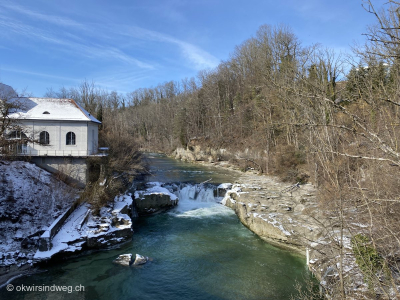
[
  {"x": 60, "y": 127},
  {"x": 56, "y": 134}
]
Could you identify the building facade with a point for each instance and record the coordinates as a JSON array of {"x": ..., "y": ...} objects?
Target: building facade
[
  {"x": 54, "y": 127},
  {"x": 58, "y": 134}
]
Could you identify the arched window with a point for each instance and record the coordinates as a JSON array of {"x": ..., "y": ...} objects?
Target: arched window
[
  {"x": 44, "y": 138},
  {"x": 71, "y": 140}
]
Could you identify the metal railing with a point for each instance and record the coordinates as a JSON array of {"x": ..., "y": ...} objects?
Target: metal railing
[{"x": 35, "y": 152}]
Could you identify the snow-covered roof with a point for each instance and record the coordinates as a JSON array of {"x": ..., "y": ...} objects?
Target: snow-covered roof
[{"x": 50, "y": 109}]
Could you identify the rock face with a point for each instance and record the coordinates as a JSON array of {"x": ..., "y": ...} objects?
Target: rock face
[
  {"x": 194, "y": 152},
  {"x": 154, "y": 199},
  {"x": 223, "y": 188},
  {"x": 276, "y": 215}
]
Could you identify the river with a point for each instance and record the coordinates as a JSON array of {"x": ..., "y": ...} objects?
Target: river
[{"x": 199, "y": 250}]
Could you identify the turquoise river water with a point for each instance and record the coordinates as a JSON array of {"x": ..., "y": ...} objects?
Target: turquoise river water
[{"x": 199, "y": 250}]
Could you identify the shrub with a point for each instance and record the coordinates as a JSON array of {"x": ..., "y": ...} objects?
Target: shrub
[{"x": 368, "y": 259}]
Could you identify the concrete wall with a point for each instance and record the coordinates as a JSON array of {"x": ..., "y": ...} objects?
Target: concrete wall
[
  {"x": 75, "y": 169},
  {"x": 47, "y": 236}
]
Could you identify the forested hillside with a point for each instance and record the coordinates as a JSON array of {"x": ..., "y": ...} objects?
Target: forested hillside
[{"x": 303, "y": 112}]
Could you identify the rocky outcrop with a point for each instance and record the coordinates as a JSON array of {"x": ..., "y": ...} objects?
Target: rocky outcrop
[
  {"x": 195, "y": 152},
  {"x": 223, "y": 188},
  {"x": 154, "y": 199},
  {"x": 82, "y": 230},
  {"x": 276, "y": 215}
]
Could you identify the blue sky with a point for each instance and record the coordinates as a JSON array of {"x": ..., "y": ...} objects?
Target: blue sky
[{"x": 123, "y": 45}]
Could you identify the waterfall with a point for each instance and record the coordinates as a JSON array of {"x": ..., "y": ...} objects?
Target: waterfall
[
  {"x": 196, "y": 192},
  {"x": 198, "y": 200}
]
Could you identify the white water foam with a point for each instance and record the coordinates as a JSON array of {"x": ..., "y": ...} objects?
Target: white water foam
[{"x": 198, "y": 201}]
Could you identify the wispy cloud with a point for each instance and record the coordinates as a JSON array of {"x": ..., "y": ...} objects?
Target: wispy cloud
[
  {"x": 38, "y": 74},
  {"x": 111, "y": 49},
  {"x": 195, "y": 55},
  {"x": 318, "y": 10},
  {"x": 120, "y": 80},
  {"x": 199, "y": 58},
  {"x": 56, "y": 20},
  {"x": 171, "y": 10},
  {"x": 109, "y": 53},
  {"x": 76, "y": 47},
  {"x": 18, "y": 27}
]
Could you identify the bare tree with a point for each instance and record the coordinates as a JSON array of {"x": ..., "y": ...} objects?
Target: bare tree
[
  {"x": 12, "y": 134},
  {"x": 384, "y": 36}
]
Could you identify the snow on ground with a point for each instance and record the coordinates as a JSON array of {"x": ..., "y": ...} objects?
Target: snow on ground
[{"x": 30, "y": 200}]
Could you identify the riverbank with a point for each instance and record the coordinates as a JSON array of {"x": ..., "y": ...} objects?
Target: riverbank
[{"x": 289, "y": 216}]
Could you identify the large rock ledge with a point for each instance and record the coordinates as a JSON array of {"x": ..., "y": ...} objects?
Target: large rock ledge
[
  {"x": 275, "y": 212},
  {"x": 154, "y": 199}
]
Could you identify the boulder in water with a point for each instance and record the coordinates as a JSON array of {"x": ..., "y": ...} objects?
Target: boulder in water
[
  {"x": 124, "y": 259},
  {"x": 127, "y": 260},
  {"x": 140, "y": 260}
]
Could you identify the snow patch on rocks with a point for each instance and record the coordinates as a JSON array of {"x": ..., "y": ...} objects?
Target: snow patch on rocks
[
  {"x": 155, "y": 188},
  {"x": 155, "y": 198},
  {"x": 83, "y": 230}
]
